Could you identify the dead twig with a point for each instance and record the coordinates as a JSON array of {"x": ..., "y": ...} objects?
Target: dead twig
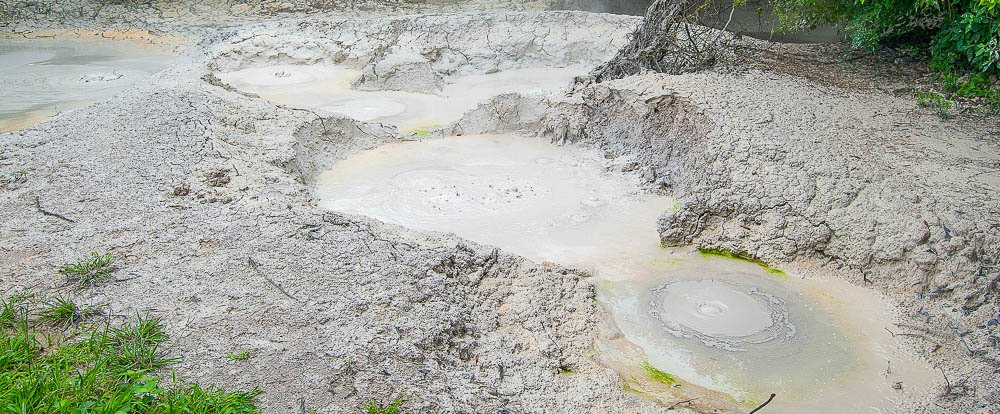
[
  {"x": 947, "y": 384},
  {"x": 671, "y": 407},
  {"x": 256, "y": 266},
  {"x": 961, "y": 338},
  {"x": 38, "y": 206},
  {"x": 765, "y": 403}
]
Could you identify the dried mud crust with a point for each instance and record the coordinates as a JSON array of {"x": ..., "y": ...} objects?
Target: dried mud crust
[
  {"x": 202, "y": 194},
  {"x": 200, "y": 17},
  {"x": 420, "y": 53},
  {"x": 863, "y": 185}
]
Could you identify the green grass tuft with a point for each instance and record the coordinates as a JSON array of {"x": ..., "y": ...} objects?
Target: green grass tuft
[
  {"x": 394, "y": 407},
  {"x": 241, "y": 355},
  {"x": 935, "y": 101},
  {"x": 12, "y": 312},
  {"x": 90, "y": 271},
  {"x": 61, "y": 312},
  {"x": 659, "y": 376},
  {"x": 103, "y": 369},
  {"x": 742, "y": 257}
]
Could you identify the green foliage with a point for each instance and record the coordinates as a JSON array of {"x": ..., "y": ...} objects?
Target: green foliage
[
  {"x": 106, "y": 370},
  {"x": 976, "y": 87},
  {"x": 970, "y": 40},
  {"x": 935, "y": 101},
  {"x": 961, "y": 35},
  {"x": 12, "y": 312},
  {"x": 61, "y": 312},
  {"x": 241, "y": 355},
  {"x": 89, "y": 271},
  {"x": 394, "y": 407}
]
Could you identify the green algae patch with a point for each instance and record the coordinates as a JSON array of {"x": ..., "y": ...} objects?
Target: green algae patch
[
  {"x": 657, "y": 375},
  {"x": 663, "y": 262},
  {"x": 727, "y": 254},
  {"x": 421, "y": 131},
  {"x": 629, "y": 388}
]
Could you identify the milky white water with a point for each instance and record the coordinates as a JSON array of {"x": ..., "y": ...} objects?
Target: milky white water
[
  {"x": 327, "y": 89},
  {"x": 42, "y": 77},
  {"x": 725, "y": 325}
]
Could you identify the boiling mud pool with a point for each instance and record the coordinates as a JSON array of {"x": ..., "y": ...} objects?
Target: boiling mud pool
[
  {"x": 327, "y": 89},
  {"x": 728, "y": 331},
  {"x": 42, "y": 77}
]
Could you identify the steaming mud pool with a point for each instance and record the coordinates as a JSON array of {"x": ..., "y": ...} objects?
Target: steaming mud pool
[
  {"x": 716, "y": 333},
  {"x": 328, "y": 89},
  {"x": 719, "y": 332},
  {"x": 43, "y": 77}
]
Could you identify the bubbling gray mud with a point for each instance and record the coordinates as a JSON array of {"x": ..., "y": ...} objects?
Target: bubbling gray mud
[
  {"x": 721, "y": 314},
  {"x": 726, "y": 326},
  {"x": 328, "y": 90},
  {"x": 42, "y": 77}
]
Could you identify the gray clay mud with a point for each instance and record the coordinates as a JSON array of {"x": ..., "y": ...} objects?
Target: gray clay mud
[
  {"x": 212, "y": 197},
  {"x": 328, "y": 90},
  {"x": 43, "y": 77},
  {"x": 726, "y": 326}
]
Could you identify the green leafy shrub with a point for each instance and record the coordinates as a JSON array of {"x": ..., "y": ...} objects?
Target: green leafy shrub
[
  {"x": 962, "y": 37},
  {"x": 970, "y": 40},
  {"x": 960, "y": 33}
]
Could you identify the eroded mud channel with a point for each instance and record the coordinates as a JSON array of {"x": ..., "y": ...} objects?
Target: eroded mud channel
[{"x": 684, "y": 326}]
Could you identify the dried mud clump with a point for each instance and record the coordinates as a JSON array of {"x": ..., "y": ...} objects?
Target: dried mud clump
[{"x": 217, "y": 177}]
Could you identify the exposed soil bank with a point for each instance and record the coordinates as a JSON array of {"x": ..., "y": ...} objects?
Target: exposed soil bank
[{"x": 342, "y": 309}]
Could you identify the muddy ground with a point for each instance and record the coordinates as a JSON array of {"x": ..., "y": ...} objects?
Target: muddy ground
[{"x": 203, "y": 194}]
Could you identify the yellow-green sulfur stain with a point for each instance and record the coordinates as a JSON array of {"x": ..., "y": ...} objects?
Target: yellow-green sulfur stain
[
  {"x": 707, "y": 252},
  {"x": 420, "y": 132},
  {"x": 659, "y": 376}
]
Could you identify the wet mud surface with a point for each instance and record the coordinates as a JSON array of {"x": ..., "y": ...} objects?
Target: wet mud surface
[
  {"x": 42, "y": 77},
  {"x": 226, "y": 233}
]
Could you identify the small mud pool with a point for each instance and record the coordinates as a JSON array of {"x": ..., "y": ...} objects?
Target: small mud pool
[
  {"x": 683, "y": 325},
  {"x": 41, "y": 77},
  {"x": 328, "y": 90}
]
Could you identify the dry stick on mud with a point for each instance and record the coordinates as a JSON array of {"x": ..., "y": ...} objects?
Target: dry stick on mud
[
  {"x": 38, "y": 206},
  {"x": 256, "y": 266},
  {"x": 765, "y": 403},
  {"x": 671, "y": 407},
  {"x": 947, "y": 384}
]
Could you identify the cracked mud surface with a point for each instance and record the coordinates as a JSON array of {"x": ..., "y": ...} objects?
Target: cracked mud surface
[{"x": 204, "y": 194}]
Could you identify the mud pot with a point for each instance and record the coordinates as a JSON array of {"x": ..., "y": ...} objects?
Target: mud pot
[
  {"x": 445, "y": 210},
  {"x": 735, "y": 329},
  {"x": 43, "y": 77}
]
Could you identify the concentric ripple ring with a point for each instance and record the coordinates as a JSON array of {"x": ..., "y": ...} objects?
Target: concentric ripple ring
[{"x": 720, "y": 314}]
